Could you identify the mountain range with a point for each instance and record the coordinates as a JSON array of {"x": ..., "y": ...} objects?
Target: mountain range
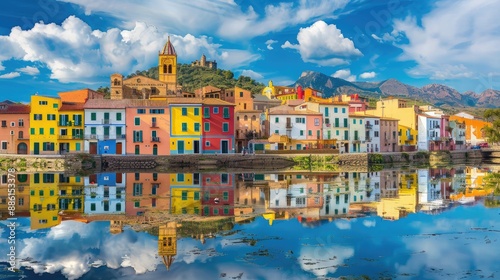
[{"x": 436, "y": 94}]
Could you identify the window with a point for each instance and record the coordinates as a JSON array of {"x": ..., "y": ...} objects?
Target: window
[
  {"x": 207, "y": 144},
  {"x": 184, "y": 195},
  {"x": 137, "y": 121},
  {"x": 301, "y": 133},
  {"x": 276, "y": 120},
  {"x": 93, "y": 116},
  {"x": 225, "y": 127},
  {"x": 93, "y": 130},
  {"x": 137, "y": 204},
  {"x": 137, "y": 176},
  {"x": 157, "y": 111},
  {"x": 184, "y": 111},
  {"x": 207, "y": 127},
  {"x": 224, "y": 178},
  {"x": 51, "y": 117},
  {"x": 376, "y": 122},
  {"x": 225, "y": 111},
  {"x": 180, "y": 177},
  {"x": 48, "y": 178},
  {"x": 184, "y": 127},
  {"x": 32, "y": 131},
  {"x": 206, "y": 112},
  {"x": 118, "y": 132},
  {"x": 36, "y": 117},
  {"x": 51, "y": 131},
  {"x": 196, "y": 111},
  {"x": 137, "y": 135},
  {"x": 12, "y": 124},
  {"x": 4, "y": 145},
  {"x": 310, "y": 132},
  {"x": 326, "y": 112},
  {"x": 196, "y": 195},
  {"x": 118, "y": 116},
  {"x": 225, "y": 196},
  {"x": 55, "y": 105},
  {"x": 141, "y": 111},
  {"x": 137, "y": 189},
  {"x": 343, "y": 110},
  {"x": 77, "y": 120},
  {"x": 216, "y": 110},
  {"x": 44, "y": 102},
  {"x": 21, "y": 123},
  {"x": 375, "y": 133},
  {"x": 196, "y": 127},
  {"x": 277, "y": 131},
  {"x": 335, "y": 110},
  {"x": 354, "y": 121},
  {"x": 241, "y": 93},
  {"x": 48, "y": 146}
]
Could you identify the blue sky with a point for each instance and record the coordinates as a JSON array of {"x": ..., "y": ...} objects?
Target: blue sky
[{"x": 48, "y": 46}]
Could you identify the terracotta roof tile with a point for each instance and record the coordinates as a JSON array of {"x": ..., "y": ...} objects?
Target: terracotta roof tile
[
  {"x": 12, "y": 108},
  {"x": 71, "y": 106}
]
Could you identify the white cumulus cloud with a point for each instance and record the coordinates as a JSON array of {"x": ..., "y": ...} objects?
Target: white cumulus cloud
[
  {"x": 324, "y": 44},
  {"x": 10, "y": 75},
  {"x": 457, "y": 39},
  {"x": 344, "y": 74},
  {"x": 269, "y": 44},
  {"x": 29, "y": 70},
  {"x": 224, "y": 18},
  {"x": 73, "y": 52},
  {"x": 252, "y": 74},
  {"x": 367, "y": 75}
]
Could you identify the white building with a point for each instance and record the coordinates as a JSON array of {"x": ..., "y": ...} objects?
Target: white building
[
  {"x": 428, "y": 131},
  {"x": 105, "y": 126}
]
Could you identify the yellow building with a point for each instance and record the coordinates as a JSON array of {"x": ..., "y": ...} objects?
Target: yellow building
[
  {"x": 70, "y": 127},
  {"x": 44, "y": 200},
  {"x": 269, "y": 91},
  {"x": 394, "y": 208},
  {"x": 22, "y": 191},
  {"x": 167, "y": 243},
  {"x": 407, "y": 135},
  {"x": 44, "y": 125},
  {"x": 185, "y": 135},
  {"x": 167, "y": 66},
  {"x": 71, "y": 194},
  {"x": 185, "y": 192},
  {"x": 401, "y": 110}
]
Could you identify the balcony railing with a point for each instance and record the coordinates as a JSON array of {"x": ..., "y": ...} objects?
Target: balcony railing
[
  {"x": 91, "y": 136},
  {"x": 154, "y": 125},
  {"x": 368, "y": 126},
  {"x": 65, "y": 137},
  {"x": 409, "y": 138},
  {"x": 155, "y": 139},
  {"x": 226, "y": 116},
  {"x": 368, "y": 139},
  {"x": 105, "y": 121},
  {"x": 122, "y": 136},
  {"x": 288, "y": 125}
]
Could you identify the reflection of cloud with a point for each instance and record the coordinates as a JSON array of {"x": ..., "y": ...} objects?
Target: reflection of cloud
[
  {"x": 322, "y": 259},
  {"x": 342, "y": 224},
  {"x": 368, "y": 223}
]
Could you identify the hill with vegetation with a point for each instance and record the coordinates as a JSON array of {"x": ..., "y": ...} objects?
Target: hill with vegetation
[{"x": 194, "y": 77}]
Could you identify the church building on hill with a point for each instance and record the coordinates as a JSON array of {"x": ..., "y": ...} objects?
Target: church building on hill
[{"x": 141, "y": 87}]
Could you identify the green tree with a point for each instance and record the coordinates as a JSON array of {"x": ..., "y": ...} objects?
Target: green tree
[
  {"x": 492, "y": 132},
  {"x": 104, "y": 90}
]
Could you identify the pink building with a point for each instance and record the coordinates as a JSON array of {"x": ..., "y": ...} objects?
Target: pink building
[
  {"x": 14, "y": 130},
  {"x": 389, "y": 135},
  {"x": 148, "y": 127},
  {"x": 218, "y": 194}
]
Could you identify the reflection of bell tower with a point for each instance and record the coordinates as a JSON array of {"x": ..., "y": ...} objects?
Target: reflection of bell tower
[
  {"x": 115, "y": 226},
  {"x": 167, "y": 66},
  {"x": 167, "y": 243}
]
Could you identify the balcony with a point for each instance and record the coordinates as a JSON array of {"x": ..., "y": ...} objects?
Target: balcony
[
  {"x": 68, "y": 123},
  {"x": 289, "y": 125},
  {"x": 226, "y": 116},
  {"x": 67, "y": 137},
  {"x": 155, "y": 139},
  {"x": 105, "y": 121},
  {"x": 409, "y": 138},
  {"x": 435, "y": 138},
  {"x": 356, "y": 139},
  {"x": 122, "y": 136},
  {"x": 154, "y": 125},
  {"x": 91, "y": 137},
  {"x": 368, "y": 139},
  {"x": 368, "y": 126}
]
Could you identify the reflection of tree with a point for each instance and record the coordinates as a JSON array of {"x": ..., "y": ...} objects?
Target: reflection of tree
[
  {"x": 492, "y": 202},
  {"x": 492, "y": 182}
]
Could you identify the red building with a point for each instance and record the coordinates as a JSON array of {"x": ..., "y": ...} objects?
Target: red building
[
  {"x": 218, "y": 194},
  {"x": 218, "y": 126}
]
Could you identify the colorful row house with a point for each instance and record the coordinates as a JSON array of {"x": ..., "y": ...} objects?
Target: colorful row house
[
  {"x": 14, "y": 130},
  {"x": 105, "y": 193}
]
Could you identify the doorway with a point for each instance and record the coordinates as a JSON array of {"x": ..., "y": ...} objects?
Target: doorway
[
  {"x": 224, "y": 146},
  {"x": 119, "y": 148},
  {"x": 196, "y": 144},
  {"x": 180, "y": 147}
]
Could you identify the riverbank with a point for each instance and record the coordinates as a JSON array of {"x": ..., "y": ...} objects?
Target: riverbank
[{"x": 84, "y": 164}]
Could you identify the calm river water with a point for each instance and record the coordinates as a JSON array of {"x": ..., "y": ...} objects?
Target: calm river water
[{"x": 390, "y": 224}]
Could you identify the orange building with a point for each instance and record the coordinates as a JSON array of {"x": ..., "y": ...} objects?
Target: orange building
[
  {"x": 80, "y": 96},
  {"x": 147, "y": 192},
  {"x": 474, "y": 133},
  {"x": 14, "y": 130}
]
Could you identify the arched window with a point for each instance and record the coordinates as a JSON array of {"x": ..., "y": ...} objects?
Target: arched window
[
  {"x": 254, "y": 118},
  {"x": 116, "y": 82},
  {"x": 245, "y": 118},
  {"x": 170, "y": 68},
  {"x": 164, "y": 68}
]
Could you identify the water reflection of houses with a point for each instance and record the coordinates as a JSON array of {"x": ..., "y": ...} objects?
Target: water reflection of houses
[
  {"x": 71, "y": 194},
  {"x": 147, "y": 191},
  {"x": 105, "y": 193},
  {"x": 430, "y": 193},
  {"x": 185, "y": 192},
  {"x": 22, "y": 195},
  {"x": 402, "y": 201},
  {"x": 250, "y": 196},
  {"x": 44, "y": 203},
  {"x": 218, "y": 194},
  {"x": 295, "y": 196},
  {"x": 336, "y": 197}
]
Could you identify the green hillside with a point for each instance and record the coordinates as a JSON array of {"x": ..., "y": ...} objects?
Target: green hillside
[{"x": 192, "y": 77}]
